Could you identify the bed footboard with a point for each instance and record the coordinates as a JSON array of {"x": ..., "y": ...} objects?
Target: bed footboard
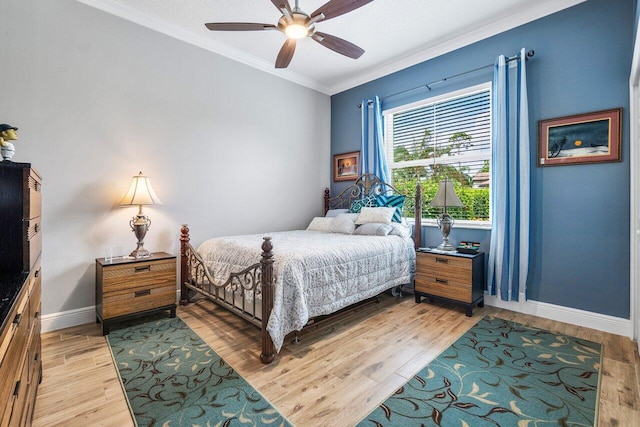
[{"x": 256, "y": 279}]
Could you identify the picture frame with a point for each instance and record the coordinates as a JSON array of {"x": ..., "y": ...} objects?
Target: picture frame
[
  {"x": 346, "y": 166},
  {"x": 580, "y": 139}
]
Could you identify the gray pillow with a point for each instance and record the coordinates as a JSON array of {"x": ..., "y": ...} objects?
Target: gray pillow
[
  {"x": 373, "y": 229},
  {"x": 335, "y": 212},
  {"x": 343, "y": 223}
]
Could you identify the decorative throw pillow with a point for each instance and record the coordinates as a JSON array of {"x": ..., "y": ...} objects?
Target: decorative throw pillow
[
  {"x": 320, "y": 223},
  {"x": 380, "y": 215},
  {"x": 373, "y": 229},
  {"x": 357, "y": 205},
  {"x": 395, "y": 201},
  {"x": 344, "y": 223},
  {"x": 335, "y": 212}
]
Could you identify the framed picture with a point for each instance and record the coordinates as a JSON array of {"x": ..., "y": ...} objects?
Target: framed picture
[
  {"x": 346, "y": 167},
  {"x": 583, "y": 138}
]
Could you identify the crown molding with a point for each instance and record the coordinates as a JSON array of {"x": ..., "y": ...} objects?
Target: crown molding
[
  {"x": 133, "y": 15},
  {"x": 538, "y": 10},
  {"x": 489, "y": 29}
]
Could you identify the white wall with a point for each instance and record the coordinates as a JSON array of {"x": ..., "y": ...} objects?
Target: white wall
[{"x": 229, "y": 149}]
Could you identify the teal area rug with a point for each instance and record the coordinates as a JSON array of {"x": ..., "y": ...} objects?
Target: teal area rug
[
  {"x": 501, "y": 373},
  {"x": 173, "y": 378}
]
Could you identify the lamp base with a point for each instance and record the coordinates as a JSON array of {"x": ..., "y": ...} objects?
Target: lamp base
[
  {"x": 445, "y": 222},
  {"x": 445, "y": 246},
  {"x": 140, "y": 253},
  {"x": 139, "y": 225}
]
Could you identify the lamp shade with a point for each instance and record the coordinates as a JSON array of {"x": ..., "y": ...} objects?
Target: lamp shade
[
  {"x": 140, "y": 193},
  {"x": 445, "y": 196}
]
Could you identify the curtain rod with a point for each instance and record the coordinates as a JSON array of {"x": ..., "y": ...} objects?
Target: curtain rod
[{"x": 529, "y": 54}]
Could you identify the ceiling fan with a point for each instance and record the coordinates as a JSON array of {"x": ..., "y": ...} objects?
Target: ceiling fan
[{"x": 297, "y": 24}]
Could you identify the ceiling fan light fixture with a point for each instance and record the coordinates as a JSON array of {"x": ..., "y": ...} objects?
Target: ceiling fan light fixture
[
  {"x": 296, "y": 24},
  {"x": 296, "y": 31}
]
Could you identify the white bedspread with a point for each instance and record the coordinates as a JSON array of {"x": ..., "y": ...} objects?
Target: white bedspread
[{"x": 315, "y": 273}]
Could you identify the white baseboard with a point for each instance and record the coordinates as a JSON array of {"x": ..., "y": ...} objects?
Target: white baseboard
[
  {"x": 79, "y": 316},
  {"x": 66, "y": 319},
  {"x": 601, "y": 322}
]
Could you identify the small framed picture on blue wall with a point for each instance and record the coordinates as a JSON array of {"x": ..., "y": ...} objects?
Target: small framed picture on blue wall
[
  {"x": 346, "y": 167},
  {"x": 583, "y": 138}
]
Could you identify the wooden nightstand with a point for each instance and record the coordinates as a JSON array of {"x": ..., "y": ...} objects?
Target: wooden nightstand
[
  {"x": 450, "y": 276},
  {"x": 131, "y": 287}
]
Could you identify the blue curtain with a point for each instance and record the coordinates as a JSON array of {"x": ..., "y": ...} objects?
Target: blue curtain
[
  {"x": 372, "y": 155},
  {"x": 508, "y": 265}
]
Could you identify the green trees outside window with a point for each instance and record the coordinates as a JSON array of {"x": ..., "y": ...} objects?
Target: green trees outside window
[
  {"x": 446, "y": 136},
  {"x": 471, "y": 186}
]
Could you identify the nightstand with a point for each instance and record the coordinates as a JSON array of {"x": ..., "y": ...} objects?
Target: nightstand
[
  {"x": 450, "y": 276},
  {"x": 128, "y": 287}
]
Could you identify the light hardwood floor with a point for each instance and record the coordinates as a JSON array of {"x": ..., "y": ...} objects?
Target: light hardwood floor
[{"x": 335, "y": 376}]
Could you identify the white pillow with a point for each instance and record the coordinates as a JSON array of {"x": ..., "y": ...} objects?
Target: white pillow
[
  {"x": 377, "y": 215},
  {"x": 373, "y": 229},
  {"x": 401, "y": 230},
  {"x": 344, "y": 223},
  {"x": 320, "y": 223},
  {"x": 335, "y": 212}
]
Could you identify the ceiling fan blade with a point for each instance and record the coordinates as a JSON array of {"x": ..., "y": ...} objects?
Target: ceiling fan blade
[
  {"x": 239, "y": 26},
  {"x": 334, "y": 8},
  {"x": 281, "y": 4},
  {"x": 286, "y": 53},
  {"x": 338, "y": 45}
]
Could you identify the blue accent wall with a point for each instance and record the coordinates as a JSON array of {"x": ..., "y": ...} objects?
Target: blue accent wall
[{"x": 580, "y": 213}]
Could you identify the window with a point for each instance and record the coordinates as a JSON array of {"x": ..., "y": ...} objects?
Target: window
[{"x": 444, "y": 137}]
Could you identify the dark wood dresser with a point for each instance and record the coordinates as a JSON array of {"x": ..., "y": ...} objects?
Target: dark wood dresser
[{"x": 20, "y": 291}]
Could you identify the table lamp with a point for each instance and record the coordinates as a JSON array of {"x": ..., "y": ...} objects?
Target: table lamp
[
  {"x": 140, "y": 193},
  {"x": 445, "y": 196}
]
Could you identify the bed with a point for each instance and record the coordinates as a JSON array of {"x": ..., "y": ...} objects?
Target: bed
[{"x": 330, "y": 267}]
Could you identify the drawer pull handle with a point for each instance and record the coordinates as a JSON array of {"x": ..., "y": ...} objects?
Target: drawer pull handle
[
  {"x": 442, "y": 281},
  {"x": 16, "y": 390},
  {"x": 145, "y": 268},
  {"x": 442, "y": 260},
  {"x": 143, "y": 293},
  {"x": 36, "y": 227},
  {"x": 37, "y": 273},
  {"x": 17, "y": 319}
]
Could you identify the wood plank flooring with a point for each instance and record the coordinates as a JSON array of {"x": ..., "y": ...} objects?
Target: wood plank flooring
[{"x": 337, "y": 374}]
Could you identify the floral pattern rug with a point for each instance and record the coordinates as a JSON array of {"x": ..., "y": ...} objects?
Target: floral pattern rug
[
  {"x": 501, "y": 373},
  {"x": 173, "y": 378}
]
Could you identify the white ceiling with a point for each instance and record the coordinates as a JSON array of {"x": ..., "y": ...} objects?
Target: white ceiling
[{"x": 395, "y": 34}]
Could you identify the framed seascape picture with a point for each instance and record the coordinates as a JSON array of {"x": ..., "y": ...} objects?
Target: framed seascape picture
[
  {"x": 583, "y": 138},
  {"x": 346, "y": 166}
]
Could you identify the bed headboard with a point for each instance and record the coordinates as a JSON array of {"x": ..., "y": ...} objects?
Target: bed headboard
[
  {"x": 365, "y": 185},
  {"x": 369, "y": 184}
]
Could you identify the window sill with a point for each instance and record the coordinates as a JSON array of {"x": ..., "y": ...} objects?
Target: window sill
[{"x": 471, "y": 225}]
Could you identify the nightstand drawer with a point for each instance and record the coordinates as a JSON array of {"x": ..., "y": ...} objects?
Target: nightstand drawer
[
  {"x": 119, "y": 278},
  {"x": 447, "y": 267},
  {"x": 138, "y": 299},
  {"x": 444, "y": 288}
]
